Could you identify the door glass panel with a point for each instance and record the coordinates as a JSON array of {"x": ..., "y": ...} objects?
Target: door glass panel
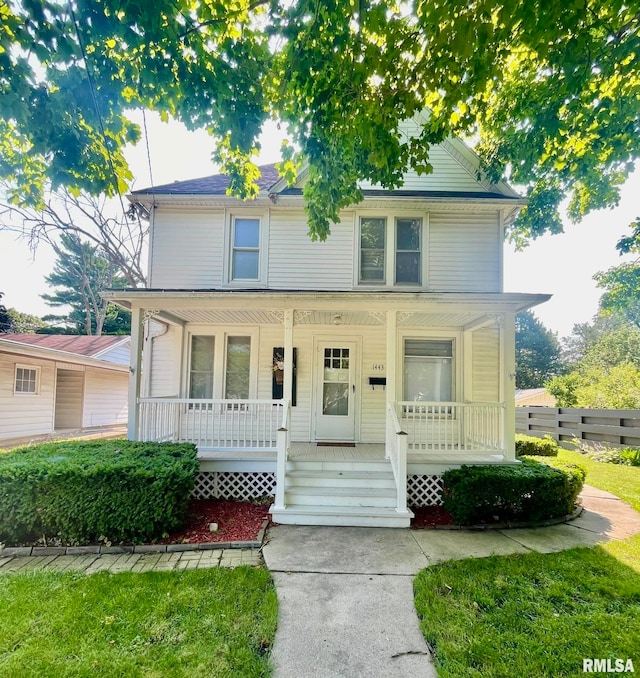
[{"x": 336, "y": 382}]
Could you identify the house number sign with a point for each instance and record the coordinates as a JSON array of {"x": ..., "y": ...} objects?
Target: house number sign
[{"x": 378, "y": 366}]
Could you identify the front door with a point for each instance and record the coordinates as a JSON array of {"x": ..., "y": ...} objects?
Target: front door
[{"x": 335, "y": 392}]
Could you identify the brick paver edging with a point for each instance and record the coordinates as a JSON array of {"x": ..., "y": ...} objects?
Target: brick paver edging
[{"x": 17, "y": 551}]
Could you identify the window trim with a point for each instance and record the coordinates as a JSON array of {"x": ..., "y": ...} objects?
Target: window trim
[
  {"x": 35, "y": 368},
  {"x": 434, "y": 335},
  {"x": 391, "y": 216},
  {"x": 263, "y": 217},
  {"x": 219, "y": 357}
]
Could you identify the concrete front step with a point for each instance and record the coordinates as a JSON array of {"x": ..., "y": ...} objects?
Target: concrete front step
[
  {"x": 312, "y": 478},
  {"x": 341, "y": 496},
  {"x": 349, "y": 516}
]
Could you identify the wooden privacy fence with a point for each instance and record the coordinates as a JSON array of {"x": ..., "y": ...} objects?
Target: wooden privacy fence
[{"x": 610, "y": 427}]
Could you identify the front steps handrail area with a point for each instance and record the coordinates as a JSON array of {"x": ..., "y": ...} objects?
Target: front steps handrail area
[
  {"x": 396, "y": 452},
  {"x": 284, "y": 445}
]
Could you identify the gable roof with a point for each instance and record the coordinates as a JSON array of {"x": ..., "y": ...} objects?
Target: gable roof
[
  {"x": 91, "y": 347},
  {"x": 215, "y": 184}
]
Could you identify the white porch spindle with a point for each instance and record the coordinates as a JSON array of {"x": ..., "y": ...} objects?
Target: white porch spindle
[
  {"x": 453, "y": 427},
  {"x": 249, "y": 425}
]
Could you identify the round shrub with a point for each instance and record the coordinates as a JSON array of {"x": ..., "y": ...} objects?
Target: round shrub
[
  {"x": 530, "y": 491},
  {"x": 86, "y": 491},
  {"x": 537, "y": 447}
]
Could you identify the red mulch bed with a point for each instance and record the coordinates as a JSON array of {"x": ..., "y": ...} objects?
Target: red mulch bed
[
  {"x": 237, "y": 521},
  {"x": 430, "y": 516},
  {"x": 241, "y": 521}
]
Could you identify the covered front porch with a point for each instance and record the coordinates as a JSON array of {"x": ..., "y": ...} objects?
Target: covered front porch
[{"x": 338, "y": 417}]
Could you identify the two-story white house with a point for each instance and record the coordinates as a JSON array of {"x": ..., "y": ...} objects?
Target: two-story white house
[{"x": 343, "y": 376}]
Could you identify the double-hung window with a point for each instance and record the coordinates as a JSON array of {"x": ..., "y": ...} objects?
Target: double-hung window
[
  {"x": 390, "y": 243},
  {"x": 372, "y": 249},
  {"x": 408, "y": 251},
  {"x": 238, "y": 368},
  {"x": 201, "y": 368},
  {"x": 428, "y": 370},
  {"x": 220, "y": 367},
  {"x": 27, "y": 380},
  {"x": 245, "y": 249}
]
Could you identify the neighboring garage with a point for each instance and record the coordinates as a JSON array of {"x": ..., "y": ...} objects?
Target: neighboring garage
[{"x": 54, "y": 383}]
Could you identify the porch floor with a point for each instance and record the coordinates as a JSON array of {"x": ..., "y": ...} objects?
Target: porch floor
[{"x": 363, "y": 452}]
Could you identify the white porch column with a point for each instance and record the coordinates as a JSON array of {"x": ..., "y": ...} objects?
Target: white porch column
[
  {"x": 392, "y": 362},
  {"x": 390, "y": 371},
  {"x": 287, "y": 386},
  {"x": 508, "y": 386},
  {"x": 135, "y": 372}
]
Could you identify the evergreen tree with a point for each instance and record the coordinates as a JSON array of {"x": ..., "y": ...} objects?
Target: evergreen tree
[
  {"x": 81, "y": 272},
  {"x": 537, "y": 352},
  {"x": 6, "y": 321}
]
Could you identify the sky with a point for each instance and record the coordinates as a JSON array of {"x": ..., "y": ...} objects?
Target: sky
[{"x": 561, "y": 265}]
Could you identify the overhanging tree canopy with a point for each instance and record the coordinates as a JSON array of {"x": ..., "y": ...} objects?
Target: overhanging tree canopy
[{"x": 551, "y": 90}]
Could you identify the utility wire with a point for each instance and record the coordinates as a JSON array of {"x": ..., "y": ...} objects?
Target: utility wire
[
  {"x": 146, "y": 139},
  {"x": 95, "y": 105}
]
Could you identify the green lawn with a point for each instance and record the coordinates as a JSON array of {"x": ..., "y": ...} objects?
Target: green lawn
[
  {"x": 537, "y": 614},
  {"x": 216, "y": 622},
  {"x": 623, "y": 481}
]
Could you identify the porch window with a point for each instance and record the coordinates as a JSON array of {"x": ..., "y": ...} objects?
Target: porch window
[
  {"x": 27, "y": 380},
  {"x": 238, "y": 368},
  {"x": 428, "y": 370},
  {"x": 372, "y": 249},
  {"x": 201, "y": 372},
  {"x": 408, "y": 251},
  {"x": 245, "y": 256}
]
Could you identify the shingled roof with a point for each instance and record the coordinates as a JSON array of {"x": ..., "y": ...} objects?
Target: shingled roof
[
  {"x": 71, "y": 343},
  {"x": 215, "y": 184}
]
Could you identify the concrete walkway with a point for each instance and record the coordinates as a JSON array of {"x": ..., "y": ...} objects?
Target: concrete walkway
[{"x": 346, "y": 594}]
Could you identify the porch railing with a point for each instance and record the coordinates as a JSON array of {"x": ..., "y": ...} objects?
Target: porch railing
[
  {"x": 397, "y": 452},
  {"x": 453, "y": 427},
  {"x": 284, "y": 445},
  {"x": 248, "y": 425}
]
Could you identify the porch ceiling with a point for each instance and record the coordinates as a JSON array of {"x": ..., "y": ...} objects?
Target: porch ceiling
[{"x": 332, "y": 317}]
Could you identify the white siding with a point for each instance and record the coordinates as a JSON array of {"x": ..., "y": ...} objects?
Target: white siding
[
  {"x": 464, "y": 252},
  {"x": 25, "y": 415},
  {"x": 187, "y": 249},
  {"x": 118, "y": 354},
  {"x": 69, "y": 396},
  {"x": 105, "y": 399},
  {"x": 447, "y": 175},
  {"x": 165, "y": 364},
  {"x": 297, "y": 263},
  {"x": 486, "y": 365}
]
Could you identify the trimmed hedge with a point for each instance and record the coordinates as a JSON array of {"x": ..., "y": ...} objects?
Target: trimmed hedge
[
  {"x": 529, "y": 491},
  {"x": 538, "y": 447},
  {"x": 90, "y": 491}
]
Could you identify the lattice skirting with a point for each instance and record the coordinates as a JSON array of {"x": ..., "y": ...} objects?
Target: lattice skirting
[
  {"x": 233, "y": 485},
  {"x": 424, "y": 491}
]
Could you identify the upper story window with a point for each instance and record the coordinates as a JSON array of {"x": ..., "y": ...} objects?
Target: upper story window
[
  {"x": 27, "y": 380},
  {"x": 372, "y": 249},
  {"x": 245, "y": 256},
  {"x": 408, "y": 251},
  {"x": 391, "y": 243}
]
